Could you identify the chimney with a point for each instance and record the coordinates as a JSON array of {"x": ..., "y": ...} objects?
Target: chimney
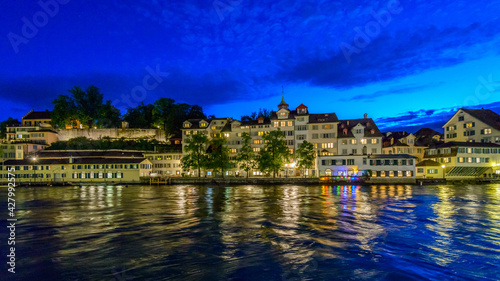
[
  {"x": 71, "y": 160},
  {"x": 366, "y": 115}
]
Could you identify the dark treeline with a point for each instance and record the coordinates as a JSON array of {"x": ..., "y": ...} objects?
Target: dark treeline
[{"x": 87, "y": 108}]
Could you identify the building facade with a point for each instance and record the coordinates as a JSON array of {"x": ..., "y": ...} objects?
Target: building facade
[
  {"x": 465, "y": 160},
  {"x": 473, "y": 125}
]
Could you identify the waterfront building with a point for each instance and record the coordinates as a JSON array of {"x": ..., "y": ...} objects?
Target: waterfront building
[
  {"x": 359, "y": 137},
  {"x": 297, "y": 126},
  {"x": 465, "y": 160},
  {"x": 375, "y": 167},
  {"x": 403, "y": 143},
  {"x": 165, "y": 164},
  {"x": 473, "y": 125},
  {"x": 429, "y": 169},
  {"x": 19, "y": 150},
  {"x": 84, "y": 166},
  {"x": 36, "y": 118}
]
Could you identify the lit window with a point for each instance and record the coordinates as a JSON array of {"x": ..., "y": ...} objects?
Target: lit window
[{"x": 363, "y": 141}]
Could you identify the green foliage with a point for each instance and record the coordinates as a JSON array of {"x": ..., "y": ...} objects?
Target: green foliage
[
  {"x": 218, "y": 157},
  {"x": 305, "y": 156},
  {"x": 86, "y": 107},
  {"x": 246, "y": 156},
  {"x": 195, "y": 156},
  {"x": 140, "y": 116},
  {"x": 4, "y": 124},
  {"x": 264, "y": 113},
  {"x": 275, "y": 153},
  {"x": 83, "y": 143}
]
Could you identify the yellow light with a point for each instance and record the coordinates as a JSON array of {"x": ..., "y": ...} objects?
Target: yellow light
[{"x": 443, "y": 166}]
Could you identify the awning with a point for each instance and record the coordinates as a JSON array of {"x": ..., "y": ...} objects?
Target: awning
[{"x": 467, "y": 171}]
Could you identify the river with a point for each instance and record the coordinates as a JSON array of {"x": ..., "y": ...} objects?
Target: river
[{"x": 185, "y": 232}]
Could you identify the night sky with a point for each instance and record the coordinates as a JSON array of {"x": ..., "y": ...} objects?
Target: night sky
[{"x": 407, "y": 64}]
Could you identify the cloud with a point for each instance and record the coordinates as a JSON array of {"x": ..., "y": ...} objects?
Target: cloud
[
  {"x": 404, "y": 89},
  {"x": 433, "y": 118}
]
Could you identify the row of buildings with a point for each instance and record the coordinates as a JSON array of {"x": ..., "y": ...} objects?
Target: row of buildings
[{"x": 345, "y": 148}]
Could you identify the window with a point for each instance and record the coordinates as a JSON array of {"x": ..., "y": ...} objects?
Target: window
[
  {"x": 276, "y": 124},
  {"x": 301, "y": 128},
  {"x": 354, "y": 141},
  {"x": 327, "y": 145},
  {"x": 315, "y": 127},
  {"x": 354, "y": 151},
  {"x": 420, "y": 170},
  {"x": 315, "y": 136},
  {"x": 460, "y": 118},
  {"x": 374, "y": 141},
  {"x": 374, "y": 150},
  {"x": 233, "y": 150},
  {"x": 301, "y": 137},
  {"x": 350, "y": 161},
  {"x": 226, "y": 135},
  {"x": 256, "y": 149},
  {"x": 257, "y": 141},
  {"x": 486, "y": 132},
  {"x": 290, "y": 123},
  {"x": 289, "y": 142},
  {"x": 283, "y": 123},
  {"x": 344, "y": 151},
  {"x": 344, "y": 142},
  {"x": 261, "y": 133},
  {"x": 186, "y": 125},
  {"x": 363, "y": 141}
]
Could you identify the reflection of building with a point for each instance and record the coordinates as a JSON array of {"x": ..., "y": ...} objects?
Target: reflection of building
[
  {"x": 79, "y": 166},
  {"x": 379, "y": 167},
  {"x": 465, "y": 160},
  {"x": 475, "y": 125}
]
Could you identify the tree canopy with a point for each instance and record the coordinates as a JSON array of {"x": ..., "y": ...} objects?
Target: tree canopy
[
  {"x": 305, "y": 155},
  {"x": 195, "y": 149},
  {"x": 86, "y": 107},
  {"x": 4, "y": 124},
  {"x": 275, "y": 153}
]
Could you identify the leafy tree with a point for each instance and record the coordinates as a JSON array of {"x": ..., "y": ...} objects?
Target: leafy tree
[
  {"x": 163, "y": 113},
  {"x": 109, "y": 116},
  {"x": 140, "y": 116},
  {"x": 84, "y": 106},
  {"x": 64, "y": 111},
  {"x": 246, "y": 156},
  {"x": 218, "y": 157},
  {"x": 88, "y": 104},
  {"x": 170, "y": 115},
  {"x": 195, "y": 153},
  {"x": 305, "y": 156},
  {"x": 275, "y": 153},
  {"x": 264, "y": 113},
  {"x": 4, "y": 124}
]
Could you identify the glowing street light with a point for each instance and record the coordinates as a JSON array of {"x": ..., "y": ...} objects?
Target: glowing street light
[{"x": 443, "y": 166}]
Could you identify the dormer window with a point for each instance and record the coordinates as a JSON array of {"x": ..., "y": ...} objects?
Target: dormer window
[
  {"x": 372, "y": 131},
  {"x": 345, "y": 131},
  {"x": 203, "y": 124},
  {"x": 187, "y": 125}
]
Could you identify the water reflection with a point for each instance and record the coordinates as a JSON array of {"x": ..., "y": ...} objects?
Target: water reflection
[{"x": 259, "y": 232}]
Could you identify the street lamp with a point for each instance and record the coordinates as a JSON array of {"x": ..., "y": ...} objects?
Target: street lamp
[
  {"x": 443, "y": 166},
  {"x": 34, "y": 162}
]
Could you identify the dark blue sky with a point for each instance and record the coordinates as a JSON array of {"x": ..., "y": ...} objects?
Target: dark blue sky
[{"x": 404, "y": 63}]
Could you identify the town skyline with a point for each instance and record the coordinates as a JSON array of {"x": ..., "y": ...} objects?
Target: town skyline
[{"x": 404, "y": 63}]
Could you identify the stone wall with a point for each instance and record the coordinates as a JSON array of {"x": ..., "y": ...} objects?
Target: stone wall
[{"x": 96, "y": 134}]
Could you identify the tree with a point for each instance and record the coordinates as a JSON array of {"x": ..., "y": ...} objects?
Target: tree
[
  {"x": 195, "y": 153},
  {"x": 4, "y": 124},
  {"x": 109, "y": 116},
  {"x": 246, "y": 156},
  {"x": 264, "y": 113},
  {"x": 140, "y": 116},
  {"x": 88, "y": 104},
  {"x": 218, "y": 157},
  {"x": 305, "y": 156},
  {"x": 272, "y": 158},
  {"x": 84, "y": 106},
  {"x": 64, "y": 111}
]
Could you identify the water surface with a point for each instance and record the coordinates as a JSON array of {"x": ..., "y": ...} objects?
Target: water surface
[{"x": 256, "y": 233}]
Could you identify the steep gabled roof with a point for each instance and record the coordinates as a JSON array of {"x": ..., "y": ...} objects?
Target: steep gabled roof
[
  {"x": 37, "y": 115},
  {"x": 484, "y": 115},
  {"x": 351, "y": 123},
  {"x": 323, "y": 118}
]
